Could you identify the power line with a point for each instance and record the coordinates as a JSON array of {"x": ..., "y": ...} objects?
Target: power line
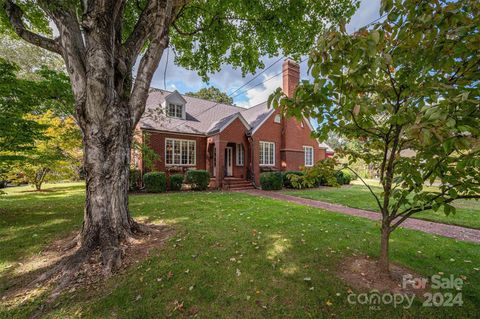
[
  {"x": 254, "y": 78},
  {"x": 165, "y": 71},
  {"x": 372, "y": 22},
  {"x": 204, "y": 111},
  {"x": 264, "y": 81}
]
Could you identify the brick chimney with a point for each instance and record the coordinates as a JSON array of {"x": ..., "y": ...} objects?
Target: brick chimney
[{"x": 291, "y": 76}]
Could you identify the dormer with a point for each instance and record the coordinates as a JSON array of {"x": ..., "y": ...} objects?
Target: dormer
[{"x": 174, "y": 106}]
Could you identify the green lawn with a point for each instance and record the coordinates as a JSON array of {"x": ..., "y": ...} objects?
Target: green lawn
[
  {"x": 233, "y": 256},
  {"x": 358, "y": 196}
]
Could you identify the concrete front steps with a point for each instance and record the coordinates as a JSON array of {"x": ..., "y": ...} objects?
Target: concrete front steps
[{"x": 236, "y": 184}]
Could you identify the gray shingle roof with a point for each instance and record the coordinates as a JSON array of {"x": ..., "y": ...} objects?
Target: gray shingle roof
[{"x": 202, "y": 116}]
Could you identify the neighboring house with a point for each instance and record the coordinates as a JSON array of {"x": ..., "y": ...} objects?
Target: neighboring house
[{"x": 234, "y": 144}]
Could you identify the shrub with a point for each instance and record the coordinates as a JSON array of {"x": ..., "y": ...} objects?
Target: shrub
[
  {"x": 322, "y": 173},
  {"x": 176, "y": 181},
  {"x": 199, "y": 179},
  {"x": 286, "y": 178},
  {"x": 343, "y": 177},
  {"x": 271, "y": 180},
  {"x": 134, "y": 179},
  {"x": 155, "y": 182}
]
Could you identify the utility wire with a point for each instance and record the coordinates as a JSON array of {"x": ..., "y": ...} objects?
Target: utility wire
[
  {"x": 254, "y": 78},
  {"x": 165, "y": 71}
]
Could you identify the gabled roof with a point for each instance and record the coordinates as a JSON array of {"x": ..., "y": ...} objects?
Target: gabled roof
[
  {"x": 202, "y": 116},
  {"x": 223, "y": 123},
  {"x": 175, "y": 95},
  {"x": 257, "y": 115}
]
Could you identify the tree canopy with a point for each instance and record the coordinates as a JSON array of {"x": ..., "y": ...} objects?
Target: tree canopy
[
  {"x": 36, "y": 93},
  {"x": 212, "y": 94},
  {"x": 408, "y": 90},
  {"x": 56, "y": 153}
]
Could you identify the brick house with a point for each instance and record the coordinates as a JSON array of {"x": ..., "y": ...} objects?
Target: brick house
[{"x": 234, "y": 144}]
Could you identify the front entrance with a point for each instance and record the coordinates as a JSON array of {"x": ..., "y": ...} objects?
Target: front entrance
[{"x": 229, "y": 161}]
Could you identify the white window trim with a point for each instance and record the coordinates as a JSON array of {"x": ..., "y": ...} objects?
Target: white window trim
[
  {"x": 259, "y": 150},
  {"x": 237, "y": 155},
  {"x": 179, "y": 139},
  {"x": 279, "y": 117},
  {"x": 305, "y": 155},
  {"x": 175, "y": 105}
]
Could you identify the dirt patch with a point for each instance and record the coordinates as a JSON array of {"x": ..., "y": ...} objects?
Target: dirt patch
[
  {"x": 20, "y": 281},
  {"x": 363, "y": 273}
]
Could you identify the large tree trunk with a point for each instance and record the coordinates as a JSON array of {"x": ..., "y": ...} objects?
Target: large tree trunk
[
  {"x": 107, "y": 222},
  {"x": 384, "y": 249}
]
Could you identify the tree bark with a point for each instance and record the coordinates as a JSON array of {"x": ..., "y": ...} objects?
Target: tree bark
[
  {"x": 107, "y": 222},
  {"x": 39, "y": 178},
  {"x": 384, "y": 261}
]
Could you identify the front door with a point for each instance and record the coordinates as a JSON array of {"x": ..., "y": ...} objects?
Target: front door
[{"x": 229, "y": 160}]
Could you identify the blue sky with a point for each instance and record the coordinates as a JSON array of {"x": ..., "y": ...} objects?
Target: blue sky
[{"x": 229, "y": 79}]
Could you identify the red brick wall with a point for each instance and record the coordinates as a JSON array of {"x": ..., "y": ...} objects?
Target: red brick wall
[
  {"x": 234, "y": 134},
  {"x": 156, "y": 141},
  {"x": 296, "y": 137},
  {"x": 268, "y": 132},
  {"x": 288, "y": 147}
]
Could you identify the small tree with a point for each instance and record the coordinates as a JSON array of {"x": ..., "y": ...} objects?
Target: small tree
[
  {"x": 23, "y": 94},
  {"x": 408, "y": 90},
  {"x": 212, "y": 94},
  {"x": 55, "y": 156}
]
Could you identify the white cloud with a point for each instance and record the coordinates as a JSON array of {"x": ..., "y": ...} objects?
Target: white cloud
[{"x": 260, "y": 93}]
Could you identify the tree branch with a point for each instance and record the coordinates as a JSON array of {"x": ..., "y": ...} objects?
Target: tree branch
[
  {"x": 149, "y": 62},
  {"x": 15, "y": 15},
  {"x": 142, "y": 30},
  {"x": 407, "y": 213},
  {"x": 369, "y": 188}
]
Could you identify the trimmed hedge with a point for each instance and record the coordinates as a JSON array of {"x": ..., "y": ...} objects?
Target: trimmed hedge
[
  {"x": 134, "y": 179},
  {"x": 176, "y": 181},
  {"x": 199, "y": 179},
  {"x": 155, "y": 182},
  {"x": 286, "y": 180},
  {"x": 271, "y": 180},
  {"x": 343, "y": 177}
]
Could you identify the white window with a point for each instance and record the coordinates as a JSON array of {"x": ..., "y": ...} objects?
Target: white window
[
  {"x": 180, "y": 152},
  {"x": 240, "y": 155},
  {"x": 174, "y": 110},
  {"x": 308, "y": 155},
  {"x": 267, "y": 153},
  {"x": 277, "y": 118}
]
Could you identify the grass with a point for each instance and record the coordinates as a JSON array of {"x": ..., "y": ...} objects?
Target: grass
[
  {"x": 358, "y": 196},
  {"x": 233, "y": 256}
]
